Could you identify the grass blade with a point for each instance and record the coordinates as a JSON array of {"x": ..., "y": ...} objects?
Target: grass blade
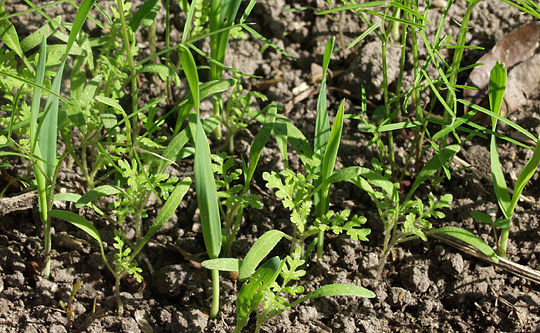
[
  {"x": 165, "y": 213},
  {"x": 48, "y": 133},
  {"x": 80, "y": 18}
]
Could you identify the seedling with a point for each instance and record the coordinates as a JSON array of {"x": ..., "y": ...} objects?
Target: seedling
[
  {"x": 68, "y": 308},
  {"x": 507, "y": 202},
  {"x": 261, "y": 293},
  {"x": 124, "y": 258}
]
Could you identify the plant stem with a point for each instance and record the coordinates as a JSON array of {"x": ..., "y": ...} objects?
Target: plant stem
[
  {"x": 214, "y": 310},
  {"x": 118, "y": 299},
  {"x": 503, "y": 242},
  {"x": 320, "y": 245}
]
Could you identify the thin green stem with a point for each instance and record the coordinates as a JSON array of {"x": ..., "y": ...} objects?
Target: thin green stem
[
  {"x": 503, "y": 242},
  {"x": 214, "y": 310},
  {"x": 118, "y": 298}
]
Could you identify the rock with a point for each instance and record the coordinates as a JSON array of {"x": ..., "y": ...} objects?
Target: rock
[
  {"x": 415, "y": 278},
  {"x": 454, "y": 265},
  {"x": 170, "y": 279}
]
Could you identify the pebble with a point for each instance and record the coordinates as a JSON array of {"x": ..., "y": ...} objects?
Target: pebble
[{"x": 415, "y": 278}]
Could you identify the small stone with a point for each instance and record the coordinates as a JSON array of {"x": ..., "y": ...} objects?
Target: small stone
[
  {"x": 197, "y": 320},
  {"x": 454, "y": 265},
  {"x": 307, "y": 314},
  {"x": 415, "y": 278},
  {"x": 169, "y": 280},
  {"x": 400, "y": 297}
]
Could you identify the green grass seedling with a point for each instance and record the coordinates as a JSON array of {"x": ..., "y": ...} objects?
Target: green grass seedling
[
  {"x": 205, "y": 183},
  {"x": 43, "y": 125},
  {"x": 506, "y": 201}
]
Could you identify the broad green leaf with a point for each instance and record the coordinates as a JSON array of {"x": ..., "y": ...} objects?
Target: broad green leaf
[
  {"x": 258, "y": 252},
  {"x": 482, "y": 217},
  {"x": 251, "y": 294},
  {"x": 207, "y": 193},
  {"x": 337, "y": 290},
  {"x": 190, "y": 70},
  {"x": 497, "y": 86},
  {"x": 9, "y": 36},
  {"x": 71, "y": 197},
  {"x": 38, "y": 165},
  {"x": 499, "y": 183},
  {"x": 322, "y": 130},
  {"x": 377, "y": 180},
  {"x": 96, "y": 193},
  {"x": 330, "y": 155},
  {"x": 80, "y": 222},
  {"x": 524, "y": 176},
  {"x": 165, "y": 213},
  {"x": 48, "y": 133},
  {"x": 502, "y": 223},
  {"x": 284, "y": 131},
  {"x": 468, "y": 238},
  {"x": 223, "y": 264},
  {"x": 110, "y": 102},
  {"x": 37, "y": 36},
  {"x": 222, "y": 15}
]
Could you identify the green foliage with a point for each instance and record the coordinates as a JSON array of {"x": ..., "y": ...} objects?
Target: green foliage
[
  {"x": 507, "y": 201},
  {"x": 122, "y": 262},
  {"x": 262, "y": 293},
  {"x": 297, "y": 191}
]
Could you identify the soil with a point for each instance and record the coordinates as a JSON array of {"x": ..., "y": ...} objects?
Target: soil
[{"x": 425, "y": 287}]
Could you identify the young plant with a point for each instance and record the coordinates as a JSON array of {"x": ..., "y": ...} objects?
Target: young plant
[
  {"x": 205, "y": 183},
  {"x": 408, "y": 219},
  {"x": 507, "y": 201},
  {"x": 43, "y": 125},
  {"x": 124, "y": 262},
  {"x": 235, "y": 196},
  {"x": 262, "y": 293},
  {"x": 237, "y": 113},
  {"x": 297, "y": 192}
]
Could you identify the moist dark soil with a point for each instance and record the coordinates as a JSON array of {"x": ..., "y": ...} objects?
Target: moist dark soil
[{"x": 425, "y": 286}]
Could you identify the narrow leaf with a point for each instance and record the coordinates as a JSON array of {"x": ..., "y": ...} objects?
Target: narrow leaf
[
  {"x": 165, "y": 213},
  {"x": 80, "y": 18},
  {"x": 468, "y": 238},
  {"x": 96, "y": 193},
  {"x": 337, "y": 290},
  {"x": 223, "y": 264}
]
